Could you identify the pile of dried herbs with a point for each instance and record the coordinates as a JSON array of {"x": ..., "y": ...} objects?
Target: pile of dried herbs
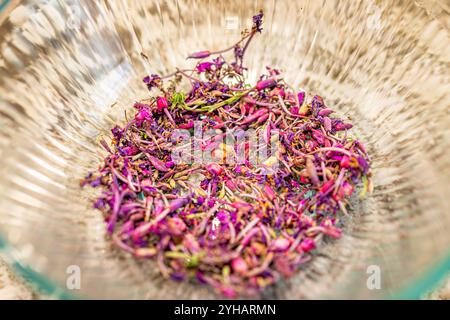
[{"x": 235, "y": 224}]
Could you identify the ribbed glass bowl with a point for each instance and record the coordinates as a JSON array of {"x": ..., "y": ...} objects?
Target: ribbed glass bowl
[{"x": 69, "y": 70}]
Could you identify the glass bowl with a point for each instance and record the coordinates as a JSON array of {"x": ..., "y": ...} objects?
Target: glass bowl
[{"x": 70, "y": 69}]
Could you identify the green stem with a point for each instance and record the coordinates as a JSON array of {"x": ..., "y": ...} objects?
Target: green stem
[
  {"x": 226, "y": 102},
  {"x": 176, "y": 255}
]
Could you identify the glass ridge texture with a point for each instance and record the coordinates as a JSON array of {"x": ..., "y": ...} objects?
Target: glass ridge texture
[{"x": 69, "y": 70}]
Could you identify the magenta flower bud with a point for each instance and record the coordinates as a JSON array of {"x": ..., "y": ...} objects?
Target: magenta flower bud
[
  {"x": 158, "y": 164},
  {"x": 187, "y": 125},
  {"x": 199, "y": 55},
  {"x": 318, "y": 136},
  {"x": 161, "y": 103},
  {"x": 222, "y": 216},
  {"x": 280, "y": 244},
  {"x": 327, "y": 123},
  {"x": 130, "y": 151},
  {"x": 327, "y": 186},
  {"x": 263, "y": 118},
  {"x": 345, "y": 162},
  {"x": 211, "y": 203},
  {"x": 294, "y": 110},
  {"x": 325, "y": 112},
  {"x": 204, "y": 66},
  {"x": 301, "y": 97},
  {"x": 264, "y": 84},
  {"x": 254, "y": 116},
  {"x": 170, "y": 164},
  {"x": 143, "y": 114},
  {"x": 239, "y": 265},
  {"x": 332, "y": 232},
  {"x": 340, "y": 126},
  {"x": 308, "y": 245},
  {"x": 200, "y": 200}
]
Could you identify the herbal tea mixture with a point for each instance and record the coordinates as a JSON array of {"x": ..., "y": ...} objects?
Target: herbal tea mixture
[{"x": 230, "y": 184}]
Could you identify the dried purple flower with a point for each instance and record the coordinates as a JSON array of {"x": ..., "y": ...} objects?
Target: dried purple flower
[
  {"x": 308, "y": 245},
  {"x": 325, "y": 112},
  {"x": 161, "y": 103},
  {"x": 117, "y": 133},
  {"x": 264, "y": 84},
  {"x": 204, "y": 66},
  {"x": 152, "y": 81},
  {"x": 340, "y": 126},
  {"x": 301, "y": 98},
  {"x": 257, "y": 21}
]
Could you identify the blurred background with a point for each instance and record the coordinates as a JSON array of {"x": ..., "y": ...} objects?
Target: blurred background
[{"x": 70, "y": 69}]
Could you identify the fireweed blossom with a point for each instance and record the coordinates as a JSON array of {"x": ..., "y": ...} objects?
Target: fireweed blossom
[{"x": 229, "y": 184}]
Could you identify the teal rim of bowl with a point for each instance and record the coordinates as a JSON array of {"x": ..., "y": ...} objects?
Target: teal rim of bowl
[
  {"x": 37, "y": 280},
  {"x": 3, "y": 4},
  {"x": 425, "y": 284}
]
